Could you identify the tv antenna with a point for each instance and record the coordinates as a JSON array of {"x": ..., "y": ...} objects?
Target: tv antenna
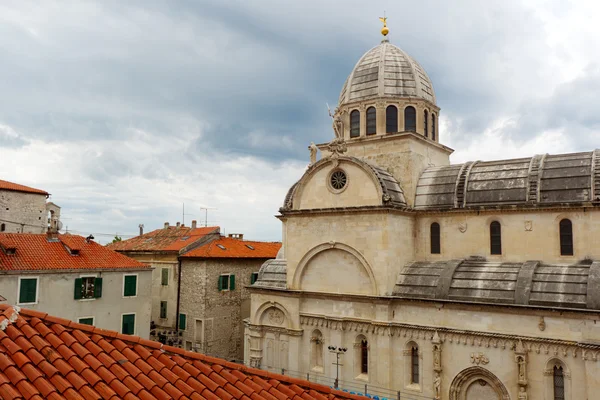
[{"x": 206, "y": 213}]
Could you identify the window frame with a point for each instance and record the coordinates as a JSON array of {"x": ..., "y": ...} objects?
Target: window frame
[
  {"x": 495, "y": 248},
  {"x": 91, "y": 317},
  {"x": 364, "y": 357},
  {"x": 3, "y": 227},
  {"x": 371, "y": 118},
  {"x": 134, "y": 323},
  {"x": 136, "y": 286},
  {"x": 162, "y": 276},
  {"x": 426, "y": 123},
  {"x": 433, "y": 126},
  {"x": 352, "y": 126},
  {"x": 88, "y": 276},
  {"x": 415, "y": 364},
  {"x": 179, "y": 321},
  {"x": 160, "y": 313},
  {"x": 253, "y": 277},
  {"x": 388, "y": 121},
  {"x": 562, "y": 235},
  {"x": 556, "y": 368},
  {"x": 414, "y": 121},
  {"x": 438, "y": 240},
  {"x": 229, "y": 281},
  {"x": 37, "y": 290}
]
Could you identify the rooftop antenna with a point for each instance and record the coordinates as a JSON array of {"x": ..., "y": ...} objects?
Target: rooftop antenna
[
  {"x": 206, "y": 214},
  {"x": 183, "y": 214}
]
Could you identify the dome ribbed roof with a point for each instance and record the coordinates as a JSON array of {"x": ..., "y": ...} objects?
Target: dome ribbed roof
[{"x": 386, "y": 71}]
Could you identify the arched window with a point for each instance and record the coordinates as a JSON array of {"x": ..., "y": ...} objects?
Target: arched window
[
  {"x": 495, "y": 238},
  {"x": 410, "y": 119},
  {"x": 414, "y": 364},
  {"x": 433, "y": 127},
  {"x": 355, "y": 123},
  {"x": 316, "y": 353},
  {"x": 391, "y": 119},
  {"x": 426, "y": 123},
  {"x": 566, "y": 237},
  {"x": 364, "y": 357},
  {"x": 2, "y": 227},
  {"x": 434, "y": 235},
  {"x": 558, "y": 383},
  {"x": 371, "y": 121}
]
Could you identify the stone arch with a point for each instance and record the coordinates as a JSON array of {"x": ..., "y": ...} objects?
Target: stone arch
[
  {"x": 315, "y": 251},
  {"x": 549, "y": 377},
  {"x": 267, "y": 307},
  {"x": 463, "y": 380}
]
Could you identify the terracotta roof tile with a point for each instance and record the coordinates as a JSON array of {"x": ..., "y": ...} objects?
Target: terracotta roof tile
[
  {"x": 226, "y": 247},
  {"x": 74, "y": 364},
  {"x": 167, "y": 239},
  {"x": 15, "y": 187},
  {"x": 34, "y": 252}
]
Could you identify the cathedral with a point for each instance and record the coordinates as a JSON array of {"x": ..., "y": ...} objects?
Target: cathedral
[{"x": 473, "y": 281}]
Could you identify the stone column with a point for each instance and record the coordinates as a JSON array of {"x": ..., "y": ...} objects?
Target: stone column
[
  {"x": 521, "y": 360},
  {"x": 437, "y": 366},
  {"x": 363, "y": 120},
  {"x": 381, "y": 118},
  {"x": 256, "y": 352}
]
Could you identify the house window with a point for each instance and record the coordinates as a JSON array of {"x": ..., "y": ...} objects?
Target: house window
[
  {"x": 86, "y": 320},
  {"x": 163, "y": 309},
  {"x": 253, "y": 277},
  {"x": 414, "y": 365},
  {"x": 128, "y": 324},
  {"x": 558, "y": 383},
  {"x": 182, "y": 321},
  {"x": 371, "y": 121},
  {"x": 495, "y": 238},
  {"x": 410, "y": 119},
  {"x": 28, "y": 290},
  {"x": 355, "y": 123},
  {"x": 2, "y": 227},
  {"x": 129, "y": 285},
  {"x": 226, "y": 282},
  {"x": 426, "y": 123},
  {"x": 433, "y": 127},
  {"x": 88, "y": 287},
  {"x": 364, "y": 357},
  {"x": 391, "y": 119},
  {"x": 566, "y": 237},
  {"x": 164, "y": 279},
  {"x": 435, "y": 238}
]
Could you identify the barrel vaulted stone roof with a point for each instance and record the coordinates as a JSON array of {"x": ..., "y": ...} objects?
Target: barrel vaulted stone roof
[
  {"x": 562, "y": 179},
  {"x": 45, "y": 357},
  {"x": 15, "y": 187},
  {"x": 476, "y": 280},
  {"x": 272, "y": 275}
]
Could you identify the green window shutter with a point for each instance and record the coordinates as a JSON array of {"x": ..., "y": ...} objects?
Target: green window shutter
[
  {"x": 231, "y": 282},
  {"x": 220, "y": 283},
  {"x": 78, "y": 288},
  {"x": 130, "y": 285},
  {"x": 165, "y": 276},
  {"x": 97, "y": 288},
  {"x": 253, "y": 277},
  {"x": 128, "y": 324},
  {"x": 27, "y": 293},
  {"x": 86, "y": 321},
  {"x": 182, "y": 321},
  {"x": 163, "y": 309}
]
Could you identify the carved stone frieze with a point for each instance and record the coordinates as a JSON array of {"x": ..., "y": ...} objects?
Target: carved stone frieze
[{"x": 479, "y": 358}]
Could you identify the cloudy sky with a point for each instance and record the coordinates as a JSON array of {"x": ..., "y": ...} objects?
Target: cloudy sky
[{"x": 125, "y": 111}]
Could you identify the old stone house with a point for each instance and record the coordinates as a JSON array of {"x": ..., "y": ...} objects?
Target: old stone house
[
  {"x": 24, "y": 209},
  {"x": 468, "y": 281},
  {"x": 75, "y": 278},
  {"x": 161, "y": 249},
  {"x": 214, "y": 293}
]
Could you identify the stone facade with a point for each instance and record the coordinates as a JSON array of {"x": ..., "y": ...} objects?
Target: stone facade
[
  {"x": 23, "y": 212},
  {"x": 214, "y": 317}
]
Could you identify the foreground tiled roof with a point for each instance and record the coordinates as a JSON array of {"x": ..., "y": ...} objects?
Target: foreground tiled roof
[
  {"x": 35, "y": 252},
  {"x": 44, "y": 357},
  {"x": 15, "y": 187},
  {"x": 172, "y": 238},
  {"x": 226, "y": 247}
]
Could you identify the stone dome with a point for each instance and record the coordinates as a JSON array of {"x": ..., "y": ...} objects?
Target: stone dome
[{"x": 386, "y": 71}]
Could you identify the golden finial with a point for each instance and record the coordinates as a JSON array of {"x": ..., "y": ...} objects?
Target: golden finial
[{"x": 384, "y": 30}]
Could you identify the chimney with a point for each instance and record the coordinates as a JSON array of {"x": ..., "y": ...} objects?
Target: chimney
[
  {"x": 239, "y": 236},
  {"x": 166, "y": 225},
  {"x": 194, "y": 224},
  {"x": 52, "y": 235},
  {"x": 141, "y": 226},
  {"x": 178, "y": 224}
]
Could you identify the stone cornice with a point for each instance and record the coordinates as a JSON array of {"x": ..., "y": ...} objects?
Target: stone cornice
[
  {"x": 538, "y": 345},
  {"x": 388, "y": 137},
  {"x": 261, "y": 329}
]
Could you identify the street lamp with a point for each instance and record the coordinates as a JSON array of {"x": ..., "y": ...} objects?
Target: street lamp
[{"x": 337, "y": 351}]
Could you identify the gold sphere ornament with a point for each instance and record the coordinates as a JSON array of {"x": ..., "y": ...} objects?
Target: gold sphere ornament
[{"x": 384, "y": 30}]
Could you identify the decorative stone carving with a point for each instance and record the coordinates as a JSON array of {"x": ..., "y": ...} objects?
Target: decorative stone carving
[
  {"x": 462, "y": 227},
  {"x": 337, "y": 147},
  {"x": 528, "y": 226},
  {"x": 479, "y": 358},
  {"x": 542, "y": 324},
  {"x": 437, "y": 383},
  {"x": 521, "y": 360},
  {"x": 437, "y": 365},
  {"x": 276, "y": 316},
  {"x": 313, "y": 152}
]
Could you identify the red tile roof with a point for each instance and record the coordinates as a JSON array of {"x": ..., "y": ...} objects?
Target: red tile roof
[
  {"x": 35, "y": 252},
  {"x": 226, "y": 247},
  {"x": 167, "y": 239},
  {"x": 15, "y": 187},
  {"x": 44, "y": 357}
]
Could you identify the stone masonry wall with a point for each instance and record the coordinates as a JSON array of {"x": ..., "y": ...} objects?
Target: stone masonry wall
[
  {"x": 23, "y": 212},
  {"x": 214, "y": 318}
]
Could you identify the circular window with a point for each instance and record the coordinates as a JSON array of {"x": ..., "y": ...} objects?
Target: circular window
[{"x": 338, "y": 180}]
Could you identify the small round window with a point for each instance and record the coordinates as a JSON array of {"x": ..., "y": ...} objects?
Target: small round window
[{"x": 338, "y": 180}]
